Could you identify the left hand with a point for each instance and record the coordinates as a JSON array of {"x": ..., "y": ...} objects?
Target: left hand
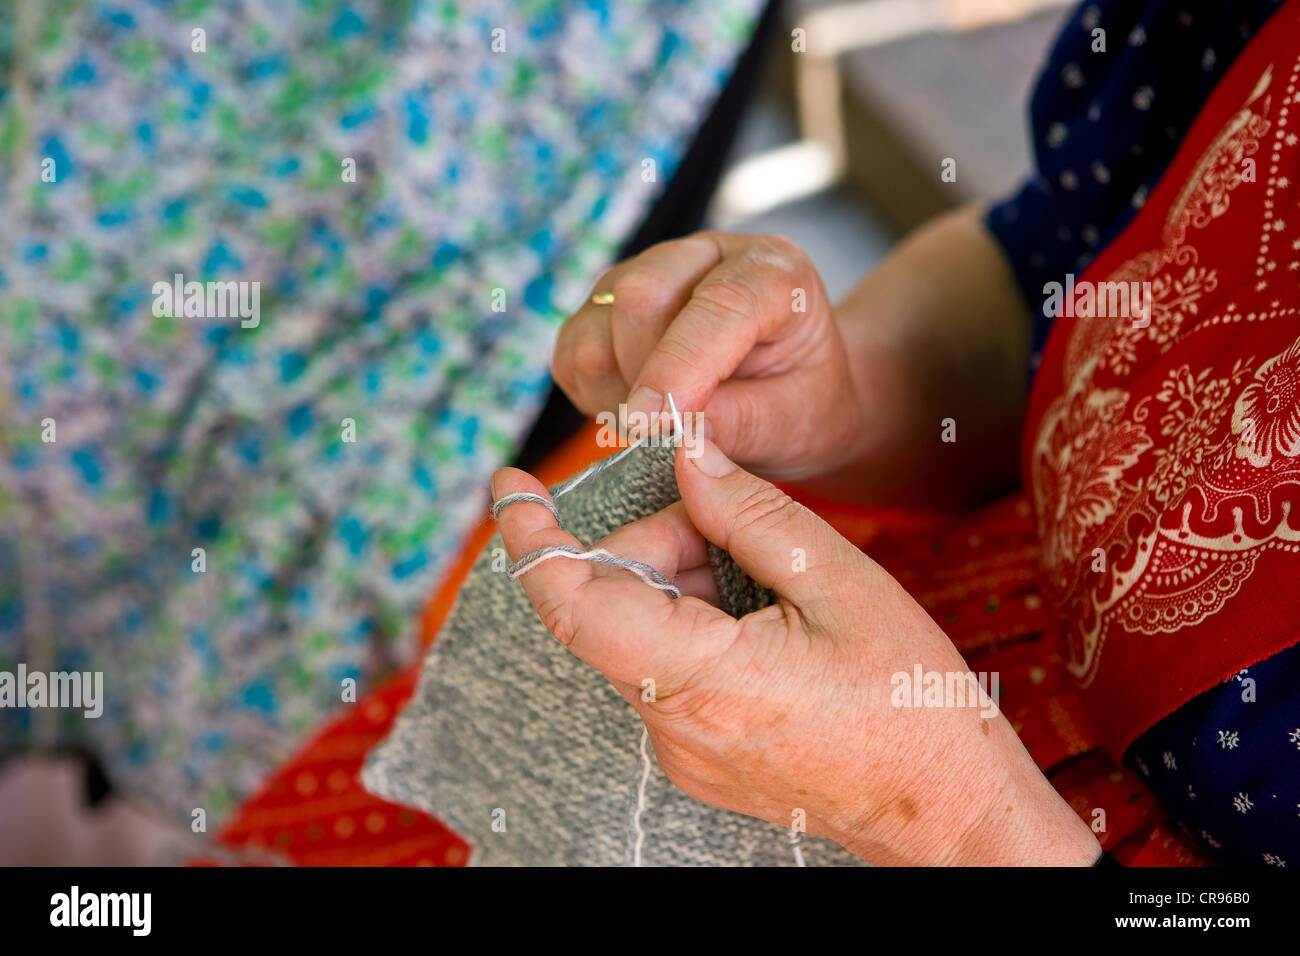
[{"x": 789, "y": 708}]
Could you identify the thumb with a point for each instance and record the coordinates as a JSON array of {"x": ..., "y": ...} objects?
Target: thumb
[{"x": 777, "y": 541}]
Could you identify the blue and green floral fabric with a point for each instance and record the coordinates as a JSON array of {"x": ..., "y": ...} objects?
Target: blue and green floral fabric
[{"x": 421, "y": 190}]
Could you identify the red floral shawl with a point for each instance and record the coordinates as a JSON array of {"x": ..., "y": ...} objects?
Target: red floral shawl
[{"x": 1162, "y": 453}]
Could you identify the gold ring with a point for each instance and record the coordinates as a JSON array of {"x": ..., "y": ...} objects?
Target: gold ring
[{"x": 603, "y": 298}]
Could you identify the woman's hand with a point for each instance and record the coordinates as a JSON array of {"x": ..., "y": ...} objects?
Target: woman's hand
[
  {"x": 911, "y": 391},
  {"x": 787, "y": 714},
  {"x": 736, "y": 326}
]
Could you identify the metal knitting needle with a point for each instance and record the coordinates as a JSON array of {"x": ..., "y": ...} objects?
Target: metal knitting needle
[{"x": 678, "y": 431}]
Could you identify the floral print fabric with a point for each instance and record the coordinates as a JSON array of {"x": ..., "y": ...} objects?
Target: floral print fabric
[{"x": 232, "y": 518}]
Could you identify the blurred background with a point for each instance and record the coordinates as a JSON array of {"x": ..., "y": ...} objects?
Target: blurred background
[{"x": 840, "y": 147}]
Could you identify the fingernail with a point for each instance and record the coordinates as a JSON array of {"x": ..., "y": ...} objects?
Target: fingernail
[
  {"x": 711, "y": 460},
  {"x": 643, "y": 407}
]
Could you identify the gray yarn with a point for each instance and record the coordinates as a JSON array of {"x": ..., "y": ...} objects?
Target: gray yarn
[
  {"x": 613, "y": 560},
  {"x": 505, "y": 719},
  {"x": 525, "y": 496}
]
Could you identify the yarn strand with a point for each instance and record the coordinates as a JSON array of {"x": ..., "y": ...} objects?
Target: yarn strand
[{"x": 645, "y": 572}]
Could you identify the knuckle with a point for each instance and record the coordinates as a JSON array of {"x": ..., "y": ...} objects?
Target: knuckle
[
  {"x": 749, "y": 415},
  {"x": 660, "y": 536},
  {"x": 683, "y": 354},
  {"x": 588, "y": 357},
  {"x": 648, "y": 536},
  {"x": 639, "y": 293},
  {"x": 727, "y": 298},
  {"x": 763, "y": 510},
  {"x": 778, "y": 251},
  {"x": 557, "y": 615},
  {"x": 779, "y": 268}
]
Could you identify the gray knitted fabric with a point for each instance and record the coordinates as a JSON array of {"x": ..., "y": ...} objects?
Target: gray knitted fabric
[{"x": 530, "y": 754}]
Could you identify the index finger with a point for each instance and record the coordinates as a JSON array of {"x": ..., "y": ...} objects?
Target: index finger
[
  {"x": 742, "y": 302},
  {"x": 616, "y": 623}
]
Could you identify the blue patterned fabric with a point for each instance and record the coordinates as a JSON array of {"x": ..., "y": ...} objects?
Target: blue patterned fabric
[
  {"x": 1105, "y": 126},
  {"x": 1227, "y": 764},
  {"x": 230, "y": 518}
]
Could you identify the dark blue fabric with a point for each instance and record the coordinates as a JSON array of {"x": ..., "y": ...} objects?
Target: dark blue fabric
[
  {"x": 1229, "y": 768},
  {"x": 1105, "y": 126}
]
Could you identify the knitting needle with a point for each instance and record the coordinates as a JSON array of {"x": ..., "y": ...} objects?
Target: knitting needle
[{"x": 677, "y": 418}]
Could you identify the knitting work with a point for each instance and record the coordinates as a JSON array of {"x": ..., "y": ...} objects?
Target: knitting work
[{"x": 529, "y": 753}]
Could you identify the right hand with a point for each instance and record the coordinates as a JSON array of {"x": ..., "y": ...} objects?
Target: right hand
[{"x": 713, "y": 319}]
